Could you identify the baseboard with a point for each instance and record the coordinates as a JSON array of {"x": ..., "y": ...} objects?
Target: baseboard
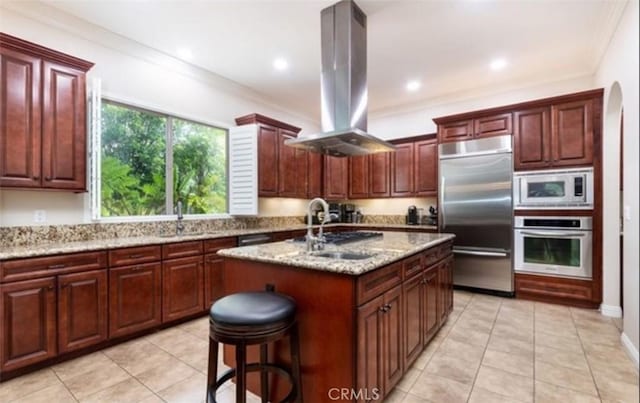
[
  {"x": 611, "y": 311},
  {"x": 632, "y": 351}
]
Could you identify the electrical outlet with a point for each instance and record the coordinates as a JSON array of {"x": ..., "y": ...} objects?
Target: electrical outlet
[{"x": 39, "y": 216}]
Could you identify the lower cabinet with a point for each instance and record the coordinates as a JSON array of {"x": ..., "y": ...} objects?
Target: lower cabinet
[
  {"x": 28, "y": 317},
  {"x": 393, "y": 355},
  {"x": 413, "y": 292},
  {"x": 213, "y": 279},
  {"x": 135, "y": 295},
  {"x": 82, "y": 310},
  {"x": 370, "y": 349},
  {"x": 430, "y": 297},
  {"x": 182, "y": 287}
]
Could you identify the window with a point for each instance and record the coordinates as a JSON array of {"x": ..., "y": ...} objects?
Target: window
[{"x": 150, "y": 161}]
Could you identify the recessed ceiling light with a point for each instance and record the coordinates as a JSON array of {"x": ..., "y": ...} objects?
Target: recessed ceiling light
[
  {"x": 413, "y": 85},
  {"x": 280, "y": 64},
  {"x": 498, "y": 64},
  {"x": 185, "y": 53}
]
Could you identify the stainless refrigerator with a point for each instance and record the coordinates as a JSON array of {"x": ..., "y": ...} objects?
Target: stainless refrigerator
[{"x": 475, "y": 204}]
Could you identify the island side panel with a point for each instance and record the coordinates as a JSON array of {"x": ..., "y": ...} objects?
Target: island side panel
[{"x": 326, "y": 317}]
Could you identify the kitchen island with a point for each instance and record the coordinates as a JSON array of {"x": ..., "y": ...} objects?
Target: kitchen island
[{"x": 366, "y": 309}]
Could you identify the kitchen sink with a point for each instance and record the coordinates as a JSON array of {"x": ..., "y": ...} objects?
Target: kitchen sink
[{"x": 343, "y": 255}]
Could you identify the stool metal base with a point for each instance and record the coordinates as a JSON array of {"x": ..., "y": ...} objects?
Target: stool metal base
[{"x": 254, "y": 367}]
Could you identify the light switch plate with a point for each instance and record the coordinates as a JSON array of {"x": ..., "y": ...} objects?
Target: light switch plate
[
  {"x": 627, "y": 213},
  {"x": 39, "y": 216}
]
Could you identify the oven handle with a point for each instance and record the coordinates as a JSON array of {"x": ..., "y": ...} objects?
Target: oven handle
[
  {"x": 554, "y": 234},
  {"x": 479, "y": 253}
]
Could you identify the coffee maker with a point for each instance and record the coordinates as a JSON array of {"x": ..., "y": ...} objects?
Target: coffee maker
[
  {"x": 349, "y": 213},
  {"x": 412, "y": 216}
]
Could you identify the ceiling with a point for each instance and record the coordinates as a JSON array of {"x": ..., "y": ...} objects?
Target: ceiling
[{"x": 446, "y": 45}]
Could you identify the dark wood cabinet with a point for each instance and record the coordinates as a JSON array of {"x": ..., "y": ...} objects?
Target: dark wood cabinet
[
  {"x": 28, "y": 318},
  {"x": 558, "y": 290},
  {"x": 379, "y": 175},
  {"x": 393, "y": 359},
  {"x": 314, "y": 174},
  {"x": 412, "y": 292},
  {"x": 426, "y": 168},
  {"x": 430, "y": 296},
  {"x": 370, "y": 347},
  {"x": 494, "y": 125},
  {"x": 336, "y": 178},
  {"x": 402, "y": 170},
  {"x": 43, "y": 132},
  {"x": 82, "y": 310},
  {"x": 292, "y": 168},
  {"x": 455, "y": 131},
  {"x": 182, "y": 287},
  {"x": 465, "y": 127},
  {"x": 135, "y": 298},
  {"x": 359, "y": 177},
  {"x": 267, "y": 161},
  {"x": 214, "y": 269},
  {"x": 572, "y": 133},
  {"x": 532, "y": 137}
]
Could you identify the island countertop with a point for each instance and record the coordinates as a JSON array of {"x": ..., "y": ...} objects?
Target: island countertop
[{"x": 391, "y": 246}]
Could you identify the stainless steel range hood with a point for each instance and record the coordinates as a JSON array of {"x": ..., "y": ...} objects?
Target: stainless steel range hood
[{"x": 343, "y": 87}]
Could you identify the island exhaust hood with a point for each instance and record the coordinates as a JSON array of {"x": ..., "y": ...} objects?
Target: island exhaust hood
[{"x": 343, "y": 87}]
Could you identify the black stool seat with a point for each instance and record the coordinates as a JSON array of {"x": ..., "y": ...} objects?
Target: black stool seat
[{"x": 253, "y": 309}]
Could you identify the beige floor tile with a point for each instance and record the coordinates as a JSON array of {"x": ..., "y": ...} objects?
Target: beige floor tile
[
  {"x": 408, "y": 379},
  {"x": 559, "y": 342},
  {"x": 471, "y": 336},
  {"x": 580, "y": 381},
  {"x": 613, "y": 366},
  {"x": 615, "y": 390},
  {"x": 198, "y": 328},
  {"x": 168, "y": 374},
  {"x": 81, "y": 365},
  {"x": 437, "y": 389},
  {"x": 508, "y": 330},
  {"x": 604, "y": 337},
  {"x": 152, "y": 399},
  {"x": 228, "y": 395},
  {"x": 409, "y": 398},
  {"x": 53, "y": 394},
  {"x": 513, "y": 363},
  {"x": 455, "y": 348},
  {"x": 547, "y": 393},
  {"x": 506, "y": 384},
  {"x": 551, "y": 308},
  {"x": 166, "y": 339},
  {"x": 424, "y": 357},
  {"x": 139, "y": 357},
  {"x": 561, "y": 358},
  {"x": 96, "y": 380},
  {"x": 129, "y": 391},
  {"x": 27, "y": 384},
  {"x": 554, "y": 318},
  {"x": 510, "y": 345},
  {"x": 455, "y": 367},
  {"x": 192, "y": 389},
  {"x": 481, "y": 395},
  {"x": 396, "y": 396},
  {"x": 567, "y": 328}
]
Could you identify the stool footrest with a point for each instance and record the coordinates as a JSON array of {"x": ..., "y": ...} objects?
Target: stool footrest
[{"x": 254, "y": 367}]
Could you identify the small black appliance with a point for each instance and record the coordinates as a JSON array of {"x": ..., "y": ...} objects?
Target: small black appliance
[{"x": 412, "y": 216}]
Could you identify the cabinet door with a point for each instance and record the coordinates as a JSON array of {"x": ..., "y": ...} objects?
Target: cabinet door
[
  {"x": 182, "y": 288},
  {"x": 290, "y": 169},
  {"x": 314, "y": 173},
  {"x": 359, "y": 177},
  {"x": 370, "y": 348},
  {"x": 443, "y": 297},
  {"x": 402, "y": 170},
  {"x": 63, "y": 128},
  {"x": 430, "y": 297},
  {"x": 20, "y": 109},
  {"x": 455, "y": 131},
  {"x": 336, "y": 178},
  {"x": 412, "y": 293},
  {"x": 379, "y": 175},
  {"x": 28, "y": 319},
  {"x": 572, "y": 133},
  {"x": 135, "y": 297},
  {"x": 426, "y": 168},
  {"x": 267, "y": 161},
  {"x": 449, "y": 264},
  {"x": 496, "y": 125},
  {"x": 532, "y": 139},
  {"x": 302, "y": 177},
  {"x": 82, "y": 309},
  {"x": 213, "y": 279},
  {"x": 393, "y": 360}
]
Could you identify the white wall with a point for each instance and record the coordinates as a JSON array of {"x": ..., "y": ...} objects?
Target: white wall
[
  {"x": 620, "y": 64},
  {"x": 129, "y": 72}
]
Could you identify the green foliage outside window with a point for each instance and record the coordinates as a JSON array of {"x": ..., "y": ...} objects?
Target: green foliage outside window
[{"x": 133, "y": 164}]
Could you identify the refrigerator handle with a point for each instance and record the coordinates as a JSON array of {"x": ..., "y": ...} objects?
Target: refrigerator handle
[{"x": 441, "y": 206}]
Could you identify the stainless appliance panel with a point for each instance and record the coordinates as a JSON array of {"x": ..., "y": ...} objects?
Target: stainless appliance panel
[
  {"x": 488, "y": 269},
  {"x": 475, "y": 200},
  {"x": 554, "y": 189}
]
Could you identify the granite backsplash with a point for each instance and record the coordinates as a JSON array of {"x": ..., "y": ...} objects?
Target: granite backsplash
[{"x": 35, "y": 235}]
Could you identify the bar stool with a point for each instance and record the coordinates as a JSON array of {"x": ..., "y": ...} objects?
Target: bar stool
[{"x": 249, "y": 318}]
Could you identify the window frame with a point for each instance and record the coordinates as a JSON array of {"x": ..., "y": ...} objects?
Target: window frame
[{"x": 96, "y": 161}]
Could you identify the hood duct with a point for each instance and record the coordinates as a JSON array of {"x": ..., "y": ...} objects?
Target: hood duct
[{"x": 343, "y": 87}]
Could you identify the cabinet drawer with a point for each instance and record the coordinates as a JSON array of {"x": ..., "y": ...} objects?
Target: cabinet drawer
[
  {"x": 455, "y": 131},
  {"x": 374, "y": 283},
  {"x": 22, "y": 269},
  {"x": 554, "y": 288},
  {"x": 411, "y": 266},
  {"x": 495, "y": 125},
  {"x": 139, "y": 254},
  {"x": 181, "y": 249},
  {"x": 431, "y": 256},
  {"x": 214, "y": 245}
]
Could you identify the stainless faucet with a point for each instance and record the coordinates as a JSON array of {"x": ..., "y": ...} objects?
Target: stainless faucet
[
  {"x": 179, "y": 224},
  {"x": 316, "y": 242}
]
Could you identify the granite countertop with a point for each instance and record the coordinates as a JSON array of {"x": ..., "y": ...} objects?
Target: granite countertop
[
  {"x": 392, "y": 246},
  {"x": 47, "y": 249}
]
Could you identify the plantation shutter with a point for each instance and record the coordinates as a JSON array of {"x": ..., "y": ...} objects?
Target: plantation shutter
[
  {"x": 243, "y": 170},
  {"x": 95, "y": 132}
]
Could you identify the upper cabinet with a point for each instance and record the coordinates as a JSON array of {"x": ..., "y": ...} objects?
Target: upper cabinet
[
  {"x": 414, "y": 167},
  {"x": 336, "y": 178},
  {"x": 42, "y": 117},
  {"x": 466, "y": 128},
  {"x": 282, "y": 170},
  {"x": 402, "y": 162}
]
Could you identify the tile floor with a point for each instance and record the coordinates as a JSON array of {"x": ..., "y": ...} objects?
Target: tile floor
[{"x": 490, "y": 350}]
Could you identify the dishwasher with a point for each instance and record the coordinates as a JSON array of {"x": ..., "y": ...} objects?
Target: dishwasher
[{"x": 253, "y": 239}]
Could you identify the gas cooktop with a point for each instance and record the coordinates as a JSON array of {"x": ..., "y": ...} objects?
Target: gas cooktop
[{"x": 345, "y": 237}]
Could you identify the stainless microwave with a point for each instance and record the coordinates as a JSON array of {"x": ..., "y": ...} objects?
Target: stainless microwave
[{"x": 554, "y": 189}]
